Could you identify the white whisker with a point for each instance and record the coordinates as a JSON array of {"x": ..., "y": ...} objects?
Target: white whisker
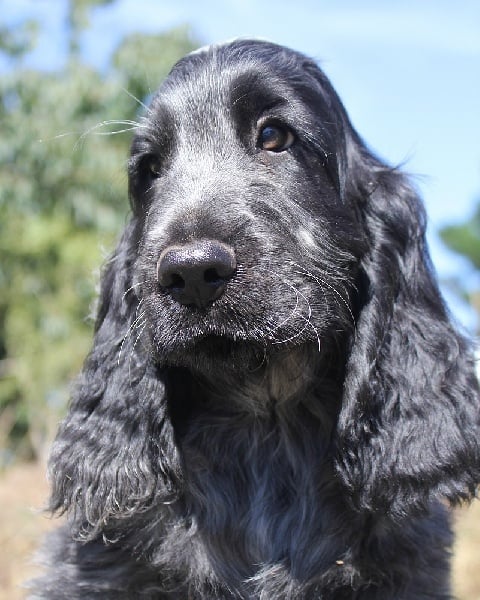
[
  {"x": 129, "y": 126},
  {"x": 307, "y": 319},
  {"x": 139, "y": 102},
  {"x": 131, "y": 288},
  {"x": 322, "y": 282},
  {"x": 143, "y": 324},
  {"x": 132, "y": 327}
]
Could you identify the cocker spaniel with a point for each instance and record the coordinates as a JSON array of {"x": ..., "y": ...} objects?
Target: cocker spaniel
[{"x": 277, "y": 405}]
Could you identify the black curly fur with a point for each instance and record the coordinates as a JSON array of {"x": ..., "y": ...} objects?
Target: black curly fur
[{"x": 300, "y": 436}]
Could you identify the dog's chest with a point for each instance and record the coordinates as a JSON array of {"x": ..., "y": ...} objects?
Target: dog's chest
[{"x": 263, "y": 495}]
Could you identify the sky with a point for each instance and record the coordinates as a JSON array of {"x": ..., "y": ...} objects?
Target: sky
[{"x": 408, "y": 73}]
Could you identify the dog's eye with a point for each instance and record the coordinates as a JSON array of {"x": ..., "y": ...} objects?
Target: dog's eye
[
  {"x": 152, "y": 166},
  {"x": 275, "y": 138}
]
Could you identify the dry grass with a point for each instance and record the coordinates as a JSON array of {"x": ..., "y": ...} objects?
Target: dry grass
[
  {"x": 466, "y": 557},
  {"x": 23, "y": 491}
]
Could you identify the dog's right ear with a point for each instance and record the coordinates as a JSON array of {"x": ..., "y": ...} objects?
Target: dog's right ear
[
  {"x": 409, "y": 427},
  {"x": 115, "y": 453}
]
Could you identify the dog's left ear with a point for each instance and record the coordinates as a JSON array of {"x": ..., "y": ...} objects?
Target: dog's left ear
[
  {"x": 115, "y": 453},
  {"x": 409, "y": 428}
]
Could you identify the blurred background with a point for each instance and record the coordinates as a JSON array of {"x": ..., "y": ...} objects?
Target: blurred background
[{"x": 73, "y": 75}]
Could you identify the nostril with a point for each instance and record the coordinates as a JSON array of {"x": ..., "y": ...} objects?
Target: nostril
[
  {"x": 173, "y": 281},
  {"x": 211, "y": 276}
]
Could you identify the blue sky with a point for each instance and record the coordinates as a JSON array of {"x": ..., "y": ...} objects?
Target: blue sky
[{"x": 408, "y": 73}]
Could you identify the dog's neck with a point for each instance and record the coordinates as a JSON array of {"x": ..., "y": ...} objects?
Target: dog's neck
[{"x": 284, "y": 381}]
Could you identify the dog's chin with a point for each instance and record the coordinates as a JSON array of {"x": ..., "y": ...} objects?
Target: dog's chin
[{"x": 214, "y": 354}]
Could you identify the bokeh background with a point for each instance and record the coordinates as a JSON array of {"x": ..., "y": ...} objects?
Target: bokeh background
[{"x": 73, "y": 75}]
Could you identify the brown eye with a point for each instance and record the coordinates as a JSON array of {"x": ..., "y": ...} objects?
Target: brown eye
[{"x": 275, "y": 138}]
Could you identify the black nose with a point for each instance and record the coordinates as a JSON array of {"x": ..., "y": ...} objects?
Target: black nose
[{"x": 196, "y": 273}]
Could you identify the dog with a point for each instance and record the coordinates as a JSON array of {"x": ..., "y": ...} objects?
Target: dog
[{"x": 277, "y": 404}]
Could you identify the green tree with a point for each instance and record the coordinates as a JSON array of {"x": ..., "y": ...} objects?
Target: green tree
[
  {"x": 62, "y": 198},
  {"x": 464, "y": 239}
]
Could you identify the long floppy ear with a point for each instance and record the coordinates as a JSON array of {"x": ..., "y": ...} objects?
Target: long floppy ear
[
  {"x": 409, "y": 428},
  {"x": 114, "y": 452}
]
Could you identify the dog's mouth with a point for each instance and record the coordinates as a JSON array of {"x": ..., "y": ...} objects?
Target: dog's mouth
[
  {"x": 218, "y": 346},
  {"x": 236, "y": 334},
  {"x": 211, "y": 351}
]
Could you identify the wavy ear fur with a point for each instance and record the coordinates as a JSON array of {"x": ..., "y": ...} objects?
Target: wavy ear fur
[
  {"x": 114, "y": 451},
  {"x": 409, "y": 428}
]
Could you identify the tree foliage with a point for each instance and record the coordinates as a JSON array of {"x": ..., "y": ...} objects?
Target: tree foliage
[
  {"x": 62, "y": 198},
  {"x": 464, "y": 238}
]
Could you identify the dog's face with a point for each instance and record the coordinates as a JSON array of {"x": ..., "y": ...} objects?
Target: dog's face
[{"x": 247, "y": 244}]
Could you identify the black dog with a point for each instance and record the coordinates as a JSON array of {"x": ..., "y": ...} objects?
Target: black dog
[{"x": 276, "y": 405}]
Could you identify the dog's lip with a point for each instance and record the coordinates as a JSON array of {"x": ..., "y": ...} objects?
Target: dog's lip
[
  {"x": 205, "y": 344},
  {"x": 191, "y": 340},
  {"x": 217, "y": 337}
]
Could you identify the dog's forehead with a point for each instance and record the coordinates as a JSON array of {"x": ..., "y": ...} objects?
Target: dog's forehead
[{"x": 221, "y": 74}]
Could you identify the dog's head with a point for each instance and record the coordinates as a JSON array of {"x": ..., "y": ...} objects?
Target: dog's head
[{"x": 249, "y": 244}]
